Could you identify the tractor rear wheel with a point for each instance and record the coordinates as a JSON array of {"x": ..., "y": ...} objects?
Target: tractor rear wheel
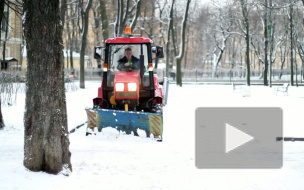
[{"x": 158, "y": 108}]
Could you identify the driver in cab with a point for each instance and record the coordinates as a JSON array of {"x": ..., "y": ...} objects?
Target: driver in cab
[{"x": 128, "y": 62}]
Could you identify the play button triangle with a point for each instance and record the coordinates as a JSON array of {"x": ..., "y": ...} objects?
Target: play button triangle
[{"x": 235, "y": 138}]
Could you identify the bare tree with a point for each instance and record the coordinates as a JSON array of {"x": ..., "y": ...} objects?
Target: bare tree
[
  {"x": 246, "y": 30},
  {"x": 291, "y": 27},
  {"x": 136, "y": 14},
  {"x": 127, "y": 14},
  {"x": 221, "y": 31},
  {"x": 1, "y": 16},
  {"x": 72, "y": 31},
  {"x": 46, "y": 142},
  {"x": 180, "y": 56},
  {"x": 84, "y": 32},
  {"x": 1, "y": 118},
  {"x": 168, "y": 44},
  {"x": 283, "y": 53},
  {"x": 101, "y": 25},
  {"x": 104, "y": 20},
  {"x": 2, "y": 3},
  {"x": 5, "y": 33}
]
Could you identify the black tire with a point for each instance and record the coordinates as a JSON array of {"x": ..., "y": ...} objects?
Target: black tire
[{"x": 158, "y": 108}]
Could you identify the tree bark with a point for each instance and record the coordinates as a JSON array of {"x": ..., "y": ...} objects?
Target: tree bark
[
  {"x": 122, "y": 15},
  {"x": 247, "y": 38},
  {"x": 63, "y": 8},
  {"x": 104, "y": 21},
  {"x": 170, "y": 23},
  {"x": 1, "y": 15},
  {"x": 265, "y": 75},
  {"x": 84, "y": 33},
  {"x": 291, "y": 44},
  {"x": 118, "y": 18},
  {"x": 138, "y": 5},
  {"x": 46, "y": 142},
  {"x": 179, "y": 58},
  {"x": 73, "y": 41},
  {"x": 1, "y": 118},
  {"x": 187, "y": 49},
  {"x": 97, "y": 25},
  {"x": 6, "y": 33},
  {"x": 69, "y": 46},
  {"x": 283, "y": 53}
]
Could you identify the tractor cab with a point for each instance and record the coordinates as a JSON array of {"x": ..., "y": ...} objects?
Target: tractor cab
[
  {"x": 117, "y": 62},
  {"x": 128, "y": 84},
  {"x": 130, "y": 96}
]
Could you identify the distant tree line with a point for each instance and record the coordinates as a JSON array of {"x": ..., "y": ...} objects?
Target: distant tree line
[{"x": 257, "y": 35}]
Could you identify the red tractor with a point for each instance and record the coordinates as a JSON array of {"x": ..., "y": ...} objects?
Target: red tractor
[{"x": 130, "y": 96}]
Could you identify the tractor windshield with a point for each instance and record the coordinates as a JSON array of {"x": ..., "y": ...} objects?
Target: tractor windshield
[{"x": 117, "y": 54}]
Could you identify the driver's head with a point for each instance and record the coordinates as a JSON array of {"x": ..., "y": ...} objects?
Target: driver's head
[{"x": 128, "y": 53}]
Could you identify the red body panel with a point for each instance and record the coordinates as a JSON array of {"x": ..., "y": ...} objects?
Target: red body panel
[
  {"x": 127, "y": 77},
  {"x": 158, "y": 89},
  {"x": 123, "y": 78},
  {"x": 100, "y": 92},
  {"x": 131, "y": 40}
]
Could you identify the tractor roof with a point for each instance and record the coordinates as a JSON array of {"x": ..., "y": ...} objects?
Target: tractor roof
[{"x": 131, "y": 40}]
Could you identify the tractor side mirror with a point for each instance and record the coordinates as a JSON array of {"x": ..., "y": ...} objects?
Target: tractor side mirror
[
  {"x": 159, "y": 50},
  {"x": 98, "y": 52}
]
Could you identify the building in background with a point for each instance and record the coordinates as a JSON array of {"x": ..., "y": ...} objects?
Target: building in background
[{"x": 11, "y": 35}]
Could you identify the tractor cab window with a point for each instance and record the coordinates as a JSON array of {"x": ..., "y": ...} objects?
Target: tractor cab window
[{"x": 118, "y": 54}]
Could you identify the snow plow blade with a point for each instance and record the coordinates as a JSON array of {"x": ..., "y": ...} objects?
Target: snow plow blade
[{"x": 127, "y": 121}]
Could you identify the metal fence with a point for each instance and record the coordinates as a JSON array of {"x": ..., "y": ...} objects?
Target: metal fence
[{"x": 201, "y": 75}]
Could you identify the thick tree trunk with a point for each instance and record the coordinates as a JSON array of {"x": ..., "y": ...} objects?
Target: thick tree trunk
[{"x": 46, "y": 142}]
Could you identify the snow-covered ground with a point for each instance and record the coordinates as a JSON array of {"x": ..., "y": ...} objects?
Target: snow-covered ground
[{"x": 110, "y": 160}]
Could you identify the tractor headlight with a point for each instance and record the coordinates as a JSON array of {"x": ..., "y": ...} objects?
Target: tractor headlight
[
  {"x": 132, "y": 86},
  {"x": 120, "y": 87}
]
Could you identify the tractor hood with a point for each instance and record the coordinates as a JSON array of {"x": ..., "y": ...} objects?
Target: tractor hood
[
  {"x": 126, "y": 76},
  {"x": 126, "y": 85}
]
